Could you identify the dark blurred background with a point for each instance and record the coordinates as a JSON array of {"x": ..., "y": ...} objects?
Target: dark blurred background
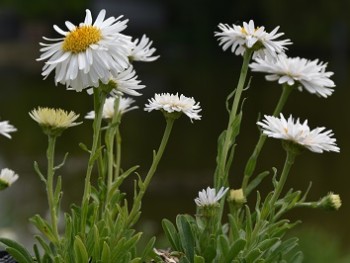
[{"x": 191, "y": 63}]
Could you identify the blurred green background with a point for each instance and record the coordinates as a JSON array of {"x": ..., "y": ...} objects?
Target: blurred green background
[{"x": 191, "y": 63}]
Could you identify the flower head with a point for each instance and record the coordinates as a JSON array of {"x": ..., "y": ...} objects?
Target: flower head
[
  {"x": 142, "y": 50},
  {"x": 240, "y": 38},
  {"x": 237, "y": 196},
  {"x": 7, "y": 178},
  {"x": 108, "y": 108},
  {"x": 209, "y": 197},
  {"x": 126, "y": 82},
  {"x": 174, "y": 105},
  {"x": 6, "y": 128},
  {"x": 54, "y": 121},
  {"x": 330, "y": 202},
  {"x": 88, "y": 53},
  {"x": 316, "y": 140},
  {"x": 307, "y": 74}
]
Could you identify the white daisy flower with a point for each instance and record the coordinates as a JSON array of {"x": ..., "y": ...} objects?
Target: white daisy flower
[
  {"x": 308, "y": 74},
  {"x": 108, "y": 108},
  {"x": 88, "y": 53},
  {"x": 126, "y": 82},
  {"x": 316, "y": 140},
  {"x": 142, "y": 50},
  {"x": 171, "y": 103},
  {"x": 209, "y": 197},
  {"x": 6, "y": 128},
  {"x": 239, "y": 38},
  {"x": 7, "y": 178}
]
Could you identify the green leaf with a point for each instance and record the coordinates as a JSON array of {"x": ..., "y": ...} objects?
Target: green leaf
[
  {"x": 171, "y": 234},
  {"x": 198, "y": 259},
  {"x": 237, "y": 247},
  {"x": 17, "y": 251},
  {"x": 84, "y": 147},
  {"x": 106, "y": 253},
  {"x": 43, "y": 226},
  {"x": 186, "y": 236},
  {"x": 297, "y": 258},
  {"x": 62, "y": 163},
  {"x": 253, "y": 255},
  {"x": 256, "y": 181},
  {"x": 37, "y": 170},
  {"x": 80, "y": 252},
  {"x": 148, "y": 249}
]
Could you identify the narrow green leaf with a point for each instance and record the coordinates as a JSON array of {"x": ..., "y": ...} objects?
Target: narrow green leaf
[
  {"x": 256, "y": 181},
  {"x": 297, "y": 258},
  {"x": 80, "y": 253},
  {"x": 106, "y": 253},
  {"x": 62, "y": 163},
  {"x": 171, "y": 234},
  {"x": 148, "y": 249},
  {"x": 253, "y": 255},
  {"x": 37, "y": 170},
  {"x": 198, "y": 259},
  {"x": 43, "y": 226},
  {"x": 186, "y": 236},
  {"x": 84, "y": 147},
  {"x": 16, "y": 250},
  {"x": 237, "y": 247}
]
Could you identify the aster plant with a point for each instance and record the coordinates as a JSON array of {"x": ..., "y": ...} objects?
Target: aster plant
[{"x": 98, "y": 56}]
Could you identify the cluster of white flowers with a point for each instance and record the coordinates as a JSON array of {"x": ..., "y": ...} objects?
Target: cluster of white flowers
[
  {"x": 94, "y": 52},
  {"x": 270, "y": 58}
]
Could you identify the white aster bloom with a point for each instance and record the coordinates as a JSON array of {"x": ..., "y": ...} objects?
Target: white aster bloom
[
  {"x": 142, "y": 51},
  {"x": 239, "y": 38},
  {"x": 172, "y": 103},
  {"x": 306, "y": 74},
  {"x": 108, "y": 108},
  {"x": 209, "y": 197},
  {"x": 126, "y": 82},
  {"x": 6, "y": 128},
  {"x": 7, "y": 178},
  {"x": 316, "y": 140},
  {"x": 88, "y": 53}
]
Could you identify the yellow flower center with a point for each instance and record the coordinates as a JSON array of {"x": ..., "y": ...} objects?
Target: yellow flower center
[{"x": 81, "y": 38}]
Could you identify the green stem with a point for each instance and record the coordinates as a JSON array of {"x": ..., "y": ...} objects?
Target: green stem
[
  {"x": 221, "y": 179},
  {"x": 50, "y": 154},
  {"x": 251, "y": 164},
  {"x": 99, "y": 99},
  {"x": 118, "y": 146},
  {"x": 286, "y": 168},
  {"x": 144, "y": 185}
]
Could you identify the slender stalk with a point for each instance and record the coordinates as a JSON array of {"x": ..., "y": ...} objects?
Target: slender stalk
[
  {"x": 99, "y": 99},
  {"x": 286, "y": 168},
  {"x": 221, "y": 179},
  {"x": 118, "y": 147},
  {"x": 251, "y": 164},
  {"x": 50, "y": 154},
  {"x": 144, "y": 185}
]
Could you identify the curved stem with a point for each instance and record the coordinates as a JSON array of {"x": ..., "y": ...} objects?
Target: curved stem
[
  {"x": 221, "y": 179},
  {"x": 144, "y": 185},
  {"x": 286, "y": 168},
  {"x": 50, "y": 153},
  {"x": 251, "y": 164}
]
